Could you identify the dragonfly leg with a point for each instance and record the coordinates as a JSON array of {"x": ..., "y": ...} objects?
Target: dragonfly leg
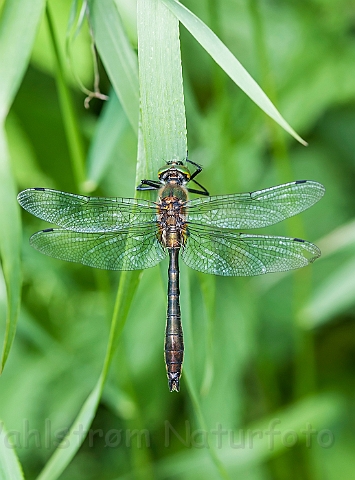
[
  {"x": 198, "y": 170},
  {"x": 148, "y": 185},
  {"x": 204, "y": 191}
]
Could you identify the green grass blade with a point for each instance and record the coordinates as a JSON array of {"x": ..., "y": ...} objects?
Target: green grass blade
[
  {"x": 10, "y": 247},
  {"x": 223, "y": 473},
  {"x": 208, "y": 290},
  {"x": 160, "y": 78},
  {"x": 117, "y": 55},
  {"x": 71, "y": 443},
  {"x": 332, "y": 297},
  {"x": 18, "y": 29},
  {"x": 74, "y": 438},
  {"x": 9, "y": 465},
  {"x": 108, "y": 134},
  {"x": 163, "y": 121},
  {"x": 120, "y": 63},
  {"x": 70, "y": 120},
  {"x": 227, "y": 61}
]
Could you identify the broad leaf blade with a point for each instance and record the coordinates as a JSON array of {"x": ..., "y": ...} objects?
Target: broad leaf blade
[{"x": 160, "y": 78}]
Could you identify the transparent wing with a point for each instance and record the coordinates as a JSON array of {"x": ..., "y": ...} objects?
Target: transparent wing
[
  {"x": 238, "y": 254},
  {"x": 132, "y": 249},
  {"x": 86, "y": 214},
  {"x": 255, "y": 209}
]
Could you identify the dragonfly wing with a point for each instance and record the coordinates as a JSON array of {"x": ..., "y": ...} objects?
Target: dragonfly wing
[
  {"x": 132, "y": 249},
  {"x": 256, "y": 209},
  {"x": 239, "y": 254},
  {"x": 86, "y": 214}
]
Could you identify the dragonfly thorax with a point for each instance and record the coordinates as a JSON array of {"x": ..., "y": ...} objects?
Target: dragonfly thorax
[{"x": 172, "y": 221}]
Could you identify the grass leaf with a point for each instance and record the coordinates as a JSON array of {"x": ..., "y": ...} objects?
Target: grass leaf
[
  {"x": 70, "y": 120},
  {"x": 74, "y": 438},
  {"x": 117, "y": 55},
  {"x": 71, "y": 443},
  {"x": 18, "y": 29},
  {"x": 160, "y": 78},
  {"x": 227, "y": 61},
  {"x": 333, "y": 296},
  {"x": 163, "y": 121},
  {"x": 9, "y": 465},
  {"x": 10, "y": 247},
  {"x": 110, "y": 128}
]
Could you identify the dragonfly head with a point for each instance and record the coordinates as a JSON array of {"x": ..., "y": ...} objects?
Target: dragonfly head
[{"x": 174, "y": 171}]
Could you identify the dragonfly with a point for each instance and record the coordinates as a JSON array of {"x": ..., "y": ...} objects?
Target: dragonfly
[{"x": 135, "y": 234}]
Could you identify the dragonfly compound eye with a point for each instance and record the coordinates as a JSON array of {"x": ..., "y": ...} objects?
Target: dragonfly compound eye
[{"x": 168, "y": 170}]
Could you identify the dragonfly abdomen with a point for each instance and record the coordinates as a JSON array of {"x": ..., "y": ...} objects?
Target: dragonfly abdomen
[{"x": 174, "y": 341}]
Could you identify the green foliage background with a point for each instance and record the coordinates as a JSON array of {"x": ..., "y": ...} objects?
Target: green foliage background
[{"x": 277, "y": 349}]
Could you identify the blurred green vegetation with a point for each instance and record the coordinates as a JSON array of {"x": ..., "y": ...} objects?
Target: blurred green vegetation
[{"x": 274, "y": 350}]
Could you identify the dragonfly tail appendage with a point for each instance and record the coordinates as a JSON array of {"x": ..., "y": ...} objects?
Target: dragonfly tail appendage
[
  {"x": 174, "y": 342},
  {"x": 174, "y": 381}
]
